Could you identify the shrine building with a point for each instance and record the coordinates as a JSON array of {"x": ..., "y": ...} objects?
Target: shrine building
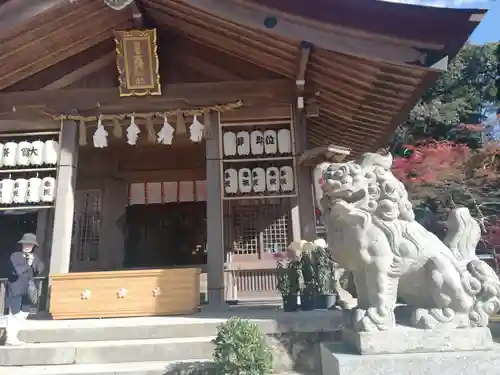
[{"x": 163, "y": 149}]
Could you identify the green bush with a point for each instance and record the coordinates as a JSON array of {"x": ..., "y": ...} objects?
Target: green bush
[{"x": 240, "y": 349}]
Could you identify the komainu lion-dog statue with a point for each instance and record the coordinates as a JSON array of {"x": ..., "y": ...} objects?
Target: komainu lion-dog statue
[{"x": 371, "y": 231}]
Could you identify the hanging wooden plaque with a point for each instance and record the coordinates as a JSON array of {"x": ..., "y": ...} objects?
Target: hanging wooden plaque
[{"x": 137, "y": 62}]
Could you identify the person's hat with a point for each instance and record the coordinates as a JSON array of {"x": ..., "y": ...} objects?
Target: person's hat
[{"x": 28, "y": 238}]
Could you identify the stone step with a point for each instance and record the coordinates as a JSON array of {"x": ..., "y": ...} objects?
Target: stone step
[
  {"x": 198, "y": 325},
  {"x": 105, "y": 352}
]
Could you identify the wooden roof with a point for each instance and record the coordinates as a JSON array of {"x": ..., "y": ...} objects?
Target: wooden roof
[{"x": 370, "y": 61}]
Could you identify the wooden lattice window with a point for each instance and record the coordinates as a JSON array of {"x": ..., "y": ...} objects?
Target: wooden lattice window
[
  {"x": 258, "y": 231},
  {"x": 86, "y": 228}
]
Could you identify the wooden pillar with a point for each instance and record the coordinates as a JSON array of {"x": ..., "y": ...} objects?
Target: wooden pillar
[
  {"x": 215, "y": 235},
  {"x": 65, "y": 199},
  {"x": 303, "y": 218}
]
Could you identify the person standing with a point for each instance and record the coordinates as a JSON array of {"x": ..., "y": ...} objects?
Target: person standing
[{"x": 22, "y": 293}]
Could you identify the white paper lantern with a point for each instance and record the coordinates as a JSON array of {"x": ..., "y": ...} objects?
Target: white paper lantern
[
  {"x": 20, "y": 190},
  {"x": 243, "y": 143},
  {"x": 259, "y": 180},
  {"x": 1, "y": 154},
  {"x": 231, "y": 181},
  {"x": 286, "y": 178},
  {"x": 229, "y": 141},
  {"x": 48, "y": 189},
  {"x": 245, "y": 180},
  {"x": 257, "y": 142},
  {"x": 23, "y": 153},
  {"x": 272, "y": 179},
  {"x": 270, "y": 142},
  {"x": 10, "y": 154},
  {"x": 51, "y": 152},
  {"x": 284, "y": 141},
  {"x": 34, "y": 190},
  {"x": 36, "y": 156},
  {"x": 7, "y": 191}
]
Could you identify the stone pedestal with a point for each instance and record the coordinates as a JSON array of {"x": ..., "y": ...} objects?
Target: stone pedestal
[{"x": 409, "y": 351}]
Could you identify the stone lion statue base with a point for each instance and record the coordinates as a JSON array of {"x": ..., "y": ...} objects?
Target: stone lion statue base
[{"x": 372, "y": 232}]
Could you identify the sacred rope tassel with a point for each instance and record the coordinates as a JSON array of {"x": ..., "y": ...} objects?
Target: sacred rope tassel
[
  {"x": 196, "y": 130},
  {"x": 150, "y": 129},
  {"x": 207, "y": 121},
  {"x": 180, "y": 125},
  {"x": 132, "y": 132},
  {"x": 117, "y": 129},
  {"x": 82, "y": 129},
  {"x": 100, "y": 135},
  {"x": 166, "y": 133}
]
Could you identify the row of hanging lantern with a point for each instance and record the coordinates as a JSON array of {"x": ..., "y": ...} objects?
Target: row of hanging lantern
[
  {"x": 32, "y": 190},
  {"x": 24, "y": 153},
  {"x": 257, "y": 142},
  {"x": 258, "y": 180}
]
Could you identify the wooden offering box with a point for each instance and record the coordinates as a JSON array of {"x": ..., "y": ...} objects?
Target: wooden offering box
[{"x": 125, "y": 293}]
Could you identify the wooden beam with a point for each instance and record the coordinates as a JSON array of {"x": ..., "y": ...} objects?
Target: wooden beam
[
  {"x": 252, "y": 16},
  {"x": 15, "y": 14},
  {"x": 81, "y": 72},
  {"x": 174, "y": 96}
]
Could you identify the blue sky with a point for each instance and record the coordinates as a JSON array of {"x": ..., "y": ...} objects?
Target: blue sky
[{"x": 487, "y": 31}]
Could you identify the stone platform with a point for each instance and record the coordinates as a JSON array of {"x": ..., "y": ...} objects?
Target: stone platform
[
  {"x": 339, "y": 359},
  {"x": 413, "y": 340}
]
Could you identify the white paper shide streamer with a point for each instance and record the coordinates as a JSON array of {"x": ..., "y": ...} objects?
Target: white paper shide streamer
[
  {"x": 48, "y": 189},
  {"x": 36, "y": 155},
  {"x": 132, "y": 132},
  {"x": 34, "y": 190},
  {"x": 100, "y": 135},
  {"x": 230, "y": 181},
  {"x": 166, "y": 133},
  {"x": 23, "y": 153},
  {"x": 20, "y": 190},
  {"x": 6, "y": 191},
  {"x": 196, "y": 130},
  {"x": 10, "y": 154},
  {"x": 229, "y": 142},
  {"x": 51, "y": 152}
]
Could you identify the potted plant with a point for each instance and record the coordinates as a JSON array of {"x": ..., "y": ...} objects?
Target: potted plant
[
  {"x": 288, "y": 283},
  {"x": 240, "y": 349},
  {"x": 324, "y": 273},
  {"x": 308, "y": 289}
]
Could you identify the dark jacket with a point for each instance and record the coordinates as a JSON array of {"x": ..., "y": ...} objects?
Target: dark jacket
[{"x": 21, "y": 273}]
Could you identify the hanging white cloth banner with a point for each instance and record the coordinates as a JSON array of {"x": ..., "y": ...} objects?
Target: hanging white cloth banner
[
  {"x": 51, "y": 152},
  {"x": 286, "y": 178},
  {"x": 23, "y": 153},
  {"x": 132, "y": 132},
  {"x": 284, "y": 141},
  {"x": 259, "y": 180},
  {"x": 270, "y": 142},
  {"x": 7, "y": 191},
  {"x": 272, "y": 179},
  {"x": 196, "y": 130},
  {"x": 245, "y": 180},
  {"x": 48, "y": 189},
  {"x": 1, "y": 154},
  {"x": 229, "y": 142},
  {"x": 101, "y": 135},
  {"x": 20, "y": 190},
  {"x": 257, "y": 142},
  {"x": 231, "y": 181},
  {"x": 243, "y": 143},
  {"x": 166, "y": 133},
  {"x": 10, "y": 154},
  {"x": 36, "y": 155},
  {"x": 33, "y": 194}
]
